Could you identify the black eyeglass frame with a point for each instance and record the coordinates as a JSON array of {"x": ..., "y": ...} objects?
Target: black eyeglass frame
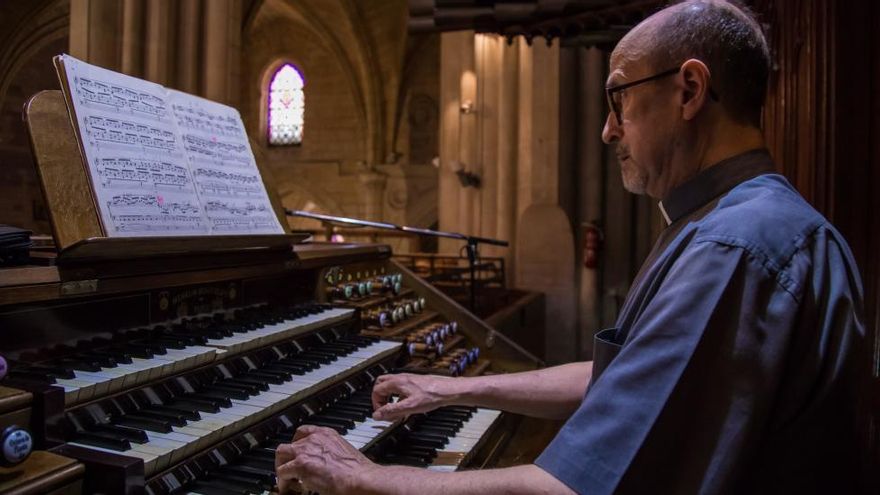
[{"x": 618, "y": 111}]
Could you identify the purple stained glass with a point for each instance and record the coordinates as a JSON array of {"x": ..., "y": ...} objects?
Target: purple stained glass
[{"x": 286, "y": 106}]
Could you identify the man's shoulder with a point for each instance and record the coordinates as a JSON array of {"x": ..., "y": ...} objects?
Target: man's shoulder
[{"x": 764, "y": 215}]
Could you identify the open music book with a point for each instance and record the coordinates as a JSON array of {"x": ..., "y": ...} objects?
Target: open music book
[{"x": 162, "y": 162}]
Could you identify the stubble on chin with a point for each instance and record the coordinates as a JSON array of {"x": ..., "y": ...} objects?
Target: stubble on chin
[{"x": 633, "y": 181}]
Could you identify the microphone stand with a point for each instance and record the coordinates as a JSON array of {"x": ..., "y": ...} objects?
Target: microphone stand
[{"x": 471, "y": 242}]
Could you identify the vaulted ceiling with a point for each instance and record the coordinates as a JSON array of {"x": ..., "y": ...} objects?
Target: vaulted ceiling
[{"x": 587, "y": 22}]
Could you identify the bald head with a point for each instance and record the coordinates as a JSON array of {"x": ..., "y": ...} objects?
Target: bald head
[{"x": 724, "y": 36}]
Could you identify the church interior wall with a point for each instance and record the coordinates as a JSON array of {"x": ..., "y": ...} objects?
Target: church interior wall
[
  {"x": 30, "y": 34},
  {"x": 371, "y": 110},
  {"x": 370, "y": 98}
]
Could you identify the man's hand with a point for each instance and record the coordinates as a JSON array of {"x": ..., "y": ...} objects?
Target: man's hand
[
  {"x": 418, "y": 394},
  {"x": 321, "y": 460}
]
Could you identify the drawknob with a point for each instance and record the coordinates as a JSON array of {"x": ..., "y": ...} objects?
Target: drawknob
[{"x": 17, "y": 445}]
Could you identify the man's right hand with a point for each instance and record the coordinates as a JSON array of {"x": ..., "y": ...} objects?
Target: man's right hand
[{"x": 416, "y": 394}]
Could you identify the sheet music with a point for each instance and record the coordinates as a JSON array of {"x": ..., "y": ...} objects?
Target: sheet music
[
  {"x": 223, "y": 167},
  {"x": 162, "y": 162}
]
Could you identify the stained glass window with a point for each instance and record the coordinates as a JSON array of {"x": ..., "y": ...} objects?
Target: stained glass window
[{"x": 286, "y": 106}]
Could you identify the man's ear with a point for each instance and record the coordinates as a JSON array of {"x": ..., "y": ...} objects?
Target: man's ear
[{"x": 694, "y": 79}]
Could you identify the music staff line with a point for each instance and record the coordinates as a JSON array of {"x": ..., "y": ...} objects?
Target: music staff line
[
  {"x": 105, "y": 95},
  {"x": 126, "y": 172}
]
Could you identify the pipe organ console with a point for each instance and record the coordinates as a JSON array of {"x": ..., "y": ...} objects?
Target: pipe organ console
[{"x": 182, "y": 373}]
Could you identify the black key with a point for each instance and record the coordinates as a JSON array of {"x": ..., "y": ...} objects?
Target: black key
[
  {"x": 193, "y": 338},
  {"x": 426, "y": 443},
  {"x": 354, "y": 413},
  {"x": 267, "y": 477},
  {"x": 188, "y": 413},
  {"x": 416, "y": 451},
  {"x": 203, "y": 405},
  {"x": 154, "y": 347},
  {"x": 79, "y": 364},
  {"x": 103, "y": 360},
  {"x": 102, "y": 439},
  {"x": 120, "y": 356},
  {"x": 247, "y": 481},
  {"x": 258, "y": 383},
  {"x": 209, "y": 489},
  {"x": 143, "y": 423},
  {"x": 174, "y": 419},
  {"x": 430, "y": 437},
  {"x": 236, "y": 391},
  {"x": 329, "y": 424},
  {"x": 130, "y": 434},
  {"x": 346, "y": 423},
  {"x": 273, "y": 377},
  {"x": 289, "y": 368},
  {"x": 138, "y": 351},
  {"x": 257, "y": 462},
  {"x": 442, "y": 423},
  {"x": 222, "y": 398}
]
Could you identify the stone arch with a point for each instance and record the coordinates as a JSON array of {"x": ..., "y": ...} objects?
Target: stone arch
[{"x": 44, "y": 26}]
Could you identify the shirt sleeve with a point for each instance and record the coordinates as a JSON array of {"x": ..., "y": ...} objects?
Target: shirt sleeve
[{"x": 690, "y": 385}]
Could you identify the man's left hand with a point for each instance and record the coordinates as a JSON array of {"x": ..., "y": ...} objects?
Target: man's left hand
[{"x": 321, "y": 460}]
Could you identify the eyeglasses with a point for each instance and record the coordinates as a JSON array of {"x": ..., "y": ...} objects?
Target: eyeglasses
[{"x": 614, "y": 98}]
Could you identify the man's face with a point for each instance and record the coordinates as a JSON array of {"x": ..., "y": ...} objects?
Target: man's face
[{"x": 645, "y": 138}]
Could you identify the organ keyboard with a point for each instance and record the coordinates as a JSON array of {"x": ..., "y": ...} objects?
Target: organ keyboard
[{"x": 171, "y": 380}]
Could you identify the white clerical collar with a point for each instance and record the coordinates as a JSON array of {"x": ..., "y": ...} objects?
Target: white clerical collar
[{"x": 663, "y": 211}]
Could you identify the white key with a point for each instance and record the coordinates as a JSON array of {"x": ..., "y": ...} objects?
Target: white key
[
  {"x": 468, "y": 436},
  {"x": 279, "y": 331},
  {"x": 167, "y": 449}
]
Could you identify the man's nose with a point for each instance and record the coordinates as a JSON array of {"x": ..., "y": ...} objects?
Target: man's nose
[{"x": 611, "y": 132}]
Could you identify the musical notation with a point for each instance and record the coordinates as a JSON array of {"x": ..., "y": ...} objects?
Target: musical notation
[
  {"x": 119, "y": 97},
  {"x": 116, "y": 131},
  {"x": 197, "y": 119},
  {"x": 150, "y": 213},
  {"x": 126, "y": 172},
  {"x": 215, "y": 149},
  {"x": 245, "y": 210},
  {"x": 160, "y": 224},
  {"x": 255, "y": 225},
  {"x": 164, "y": 161},
  {"x": 151, "y": 201},
  {"x": 227, "y": 177}
]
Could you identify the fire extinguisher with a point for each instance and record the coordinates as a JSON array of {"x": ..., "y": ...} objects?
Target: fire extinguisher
[{"x": 593, "y": 239}]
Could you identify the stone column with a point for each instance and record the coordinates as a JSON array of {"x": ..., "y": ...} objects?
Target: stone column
[
  {"x": 95, "y": 32},
  {"x": 591, "y": 113},
  {"x": 159, "y": 41},
  {"x": 452, "y": 66},
  {"x": 188, "y": 44},
  {"x": 544, "y": 239},
  {"x": 506, "y": 164},
  {"x": 222, "y": 43},
  {"x": 133, "y": 37},
  {"x": 489, "y": 49}
]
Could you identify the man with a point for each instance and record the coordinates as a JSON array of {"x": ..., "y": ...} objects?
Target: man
[{"x": 733, "y": 371}]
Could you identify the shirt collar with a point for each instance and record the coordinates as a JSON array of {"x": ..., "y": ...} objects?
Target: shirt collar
[{"x": 713, "y": 182}]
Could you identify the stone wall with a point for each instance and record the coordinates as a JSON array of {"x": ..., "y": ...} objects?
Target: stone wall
[
  {"x": 371, "y": 91},
  {"x": 31, "y": 33}
]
